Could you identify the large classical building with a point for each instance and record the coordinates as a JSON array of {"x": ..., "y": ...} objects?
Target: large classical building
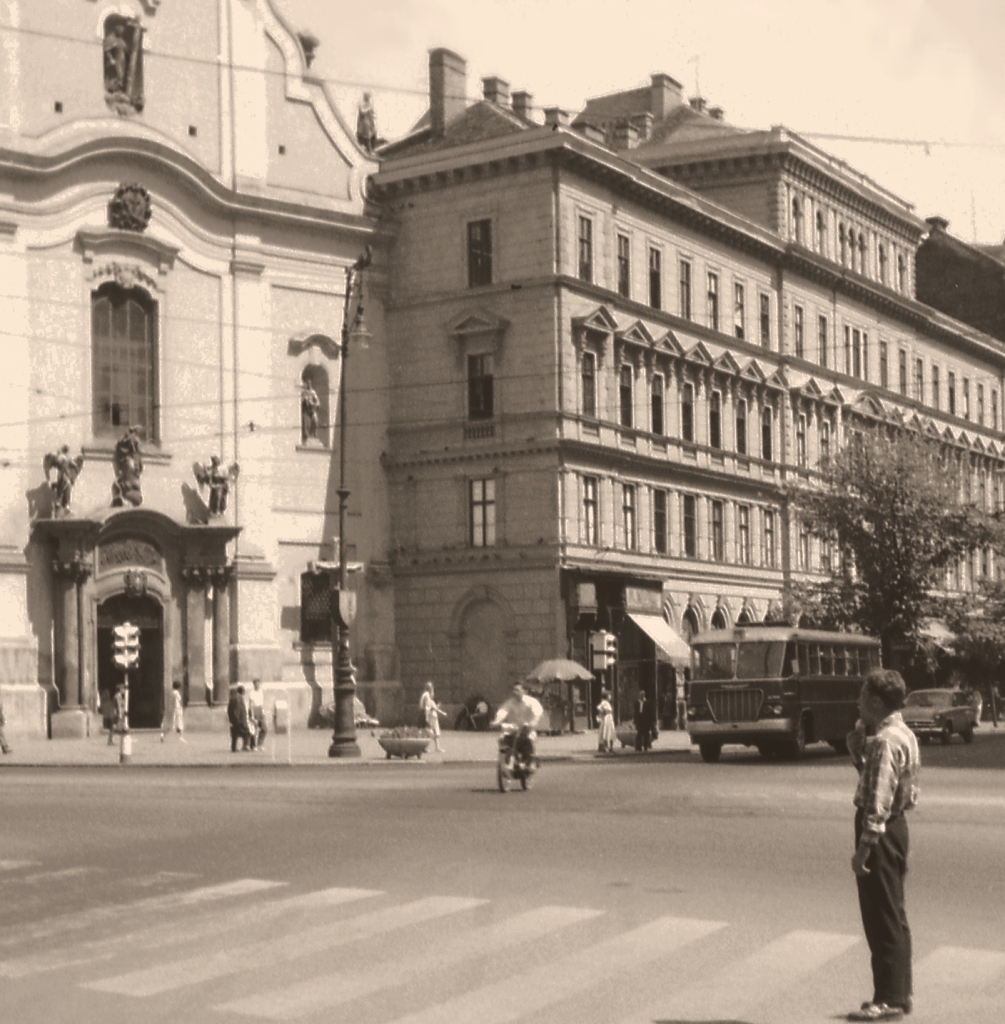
[
  {"x": 614, "y": 341},
  {"x": 180, "y": 200}
]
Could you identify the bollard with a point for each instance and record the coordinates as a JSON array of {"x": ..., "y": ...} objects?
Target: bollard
[{"x": 126, "y": 748}]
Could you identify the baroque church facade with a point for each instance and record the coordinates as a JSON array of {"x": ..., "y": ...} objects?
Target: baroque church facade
[{"x": 180, "y": 200}]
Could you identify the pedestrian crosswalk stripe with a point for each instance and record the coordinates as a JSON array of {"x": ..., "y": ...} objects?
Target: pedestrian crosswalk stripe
[
  {"x": 532, "y": 991},
  {"x": 60, "y": 925},
  {"x": 165, "y": 934},
  {"x": 16, "y": 865},
  {"x": 193, "y": 970},
  {"x": 744, "y": 985},
  {"x": 328, "y": 991},
  {"x": 957, "y": 967},
  {"x": 53, "y": 877}
]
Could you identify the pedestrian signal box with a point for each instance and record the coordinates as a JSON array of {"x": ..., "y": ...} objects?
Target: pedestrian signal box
[
  {"x": 604, "y": 648},
  {"x": 126, "y": 640}
]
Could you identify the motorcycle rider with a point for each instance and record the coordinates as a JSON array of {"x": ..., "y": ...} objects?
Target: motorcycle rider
[{"x": 523, "y": 712}]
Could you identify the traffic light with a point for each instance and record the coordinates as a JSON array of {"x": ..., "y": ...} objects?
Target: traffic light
[
  {"x": 127, "y": 646},
  {"x": 610, "y": 648},
  {"x": 604, "y": 647}
]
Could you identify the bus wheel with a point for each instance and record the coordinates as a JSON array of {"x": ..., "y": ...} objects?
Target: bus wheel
[
  {"x": 710, "y": 751},
  {"x": 946, "y": 735},
  {"x": 796, "y": 747}
]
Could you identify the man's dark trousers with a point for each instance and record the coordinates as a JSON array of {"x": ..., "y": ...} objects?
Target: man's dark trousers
[{"x": 881, "y": 900}]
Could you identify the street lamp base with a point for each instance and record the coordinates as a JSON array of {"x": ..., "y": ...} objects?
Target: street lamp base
[{"x": 344, "y": 748}]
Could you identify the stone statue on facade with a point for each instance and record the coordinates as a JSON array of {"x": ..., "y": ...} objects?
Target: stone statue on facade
[
  {"x": 218, "y": 480},
  {"x": 67, "y": 470},
  {"x": 309, "y": 405},
  {"x": 366, "y": 124},
  {"x": 128, "y": 463},
  {"x": 123, "y": 52}
]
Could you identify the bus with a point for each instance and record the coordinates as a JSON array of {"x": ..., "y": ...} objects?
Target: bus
[{"x": 775, "y": 688}]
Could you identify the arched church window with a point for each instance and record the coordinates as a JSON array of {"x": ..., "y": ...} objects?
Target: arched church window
[
  {"x": 315, "y": 417},
  {"x": 689, "y": 624},
  {"x": 124, "y": 361},
  {"x": 718, "y": 619},
  {"x": 744, "y": 618}
]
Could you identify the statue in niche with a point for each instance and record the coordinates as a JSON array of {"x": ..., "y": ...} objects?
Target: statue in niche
[
  {"x": 128, "y": 463},
  {"x": 67, "y": 470},
  {"x": 218, "y": 480},
  {"x": 123, "y": 57},
  {"x": 309, "y": 405},
  {"x": 366, "y": 124}
]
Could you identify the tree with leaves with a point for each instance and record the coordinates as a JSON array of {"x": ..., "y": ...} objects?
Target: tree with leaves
[
  {"x": 978, "y": 626},
  {"x": 895, "y": 506}
]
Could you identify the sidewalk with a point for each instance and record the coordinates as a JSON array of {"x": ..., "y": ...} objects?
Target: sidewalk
[{"x": 300, "y": 747}]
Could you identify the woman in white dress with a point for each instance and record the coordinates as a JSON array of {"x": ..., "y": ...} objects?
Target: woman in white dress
[
  {"x": 605, "y": 715},
  {"x": 432, "y": 712}
]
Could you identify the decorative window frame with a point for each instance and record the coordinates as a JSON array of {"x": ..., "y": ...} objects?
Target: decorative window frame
[{"x": 131, "y": 260}]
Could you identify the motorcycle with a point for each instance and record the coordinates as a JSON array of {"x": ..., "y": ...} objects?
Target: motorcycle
[{"x": 517, "y": 760}]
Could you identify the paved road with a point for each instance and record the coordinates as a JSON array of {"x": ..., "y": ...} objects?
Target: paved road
[{"x": 623, "y": 891}]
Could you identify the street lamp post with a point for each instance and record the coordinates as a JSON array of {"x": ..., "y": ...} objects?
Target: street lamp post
[{"x": 343, "y": 742}]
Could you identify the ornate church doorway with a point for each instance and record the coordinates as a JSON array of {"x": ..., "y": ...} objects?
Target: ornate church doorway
[{"x": 146, "y": 683}]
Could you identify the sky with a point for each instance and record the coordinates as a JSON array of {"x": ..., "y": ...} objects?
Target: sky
[{"x": 928, "y": 74}]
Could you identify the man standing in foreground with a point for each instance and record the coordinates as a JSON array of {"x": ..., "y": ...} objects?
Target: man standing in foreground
[{"x": 885, "y": 753}]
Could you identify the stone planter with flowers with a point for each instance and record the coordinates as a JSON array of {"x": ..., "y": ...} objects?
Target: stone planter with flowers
[{"x": 404, "y": 742}]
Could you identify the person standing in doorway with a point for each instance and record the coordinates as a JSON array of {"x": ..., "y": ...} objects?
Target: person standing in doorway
[
  {"x": 681, "y": 694},
  {"x": 885, "y": 753},
  {"x": 432, "y": 713}
]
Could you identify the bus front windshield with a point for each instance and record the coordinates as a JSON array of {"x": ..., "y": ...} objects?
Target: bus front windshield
[
  {"x": 714, "y": 661},
  {"x": 760, "y": 660}
]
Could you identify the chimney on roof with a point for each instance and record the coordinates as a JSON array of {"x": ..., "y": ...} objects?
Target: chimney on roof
[
  {"x": 448, "y": 83},
  {"x": 643, "y": 125},
  {"x": 625, "y": 135},
  {"x": 716, "y": 113},
  {"x": 698, "y": 103},
  {"x": 495, "y": 90},
  {"x": 665, "y": 93},
  {"x": 937, "y": 223},
  {"x": 523, "y": 104},
  {"x": 556, "y": 117}
]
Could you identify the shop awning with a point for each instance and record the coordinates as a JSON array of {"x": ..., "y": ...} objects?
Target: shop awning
[{"x": 669, "y": 646}]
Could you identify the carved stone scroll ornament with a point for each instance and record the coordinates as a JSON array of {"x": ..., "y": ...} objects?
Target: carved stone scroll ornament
[
  {"x": 128, "y": 463},
  {"x": 130, "y": 209},
  {"x": 123, "y": 64},
  {"x": 218, "y": 480},
  {"x": 66, "y": 471}
]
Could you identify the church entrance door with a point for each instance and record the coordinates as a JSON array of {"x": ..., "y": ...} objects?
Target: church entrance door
[{"x": 146, "y": 683}]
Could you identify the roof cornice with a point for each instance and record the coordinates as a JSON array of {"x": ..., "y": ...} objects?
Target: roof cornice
[{"x": 157, "y": 158}]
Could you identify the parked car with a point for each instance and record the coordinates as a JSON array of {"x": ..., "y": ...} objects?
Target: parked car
[{"x": 942, "y": 713}]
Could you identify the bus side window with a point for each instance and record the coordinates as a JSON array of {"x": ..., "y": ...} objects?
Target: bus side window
[
  {"x": 840, "y": 661},
  {"x": 826, "y": 660},
  {"x": 813, "y": 664},
  {"x": 853, "y": 661},
  {"x": 804, "y": 659},
  {"x": 874, "y": 657}
]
